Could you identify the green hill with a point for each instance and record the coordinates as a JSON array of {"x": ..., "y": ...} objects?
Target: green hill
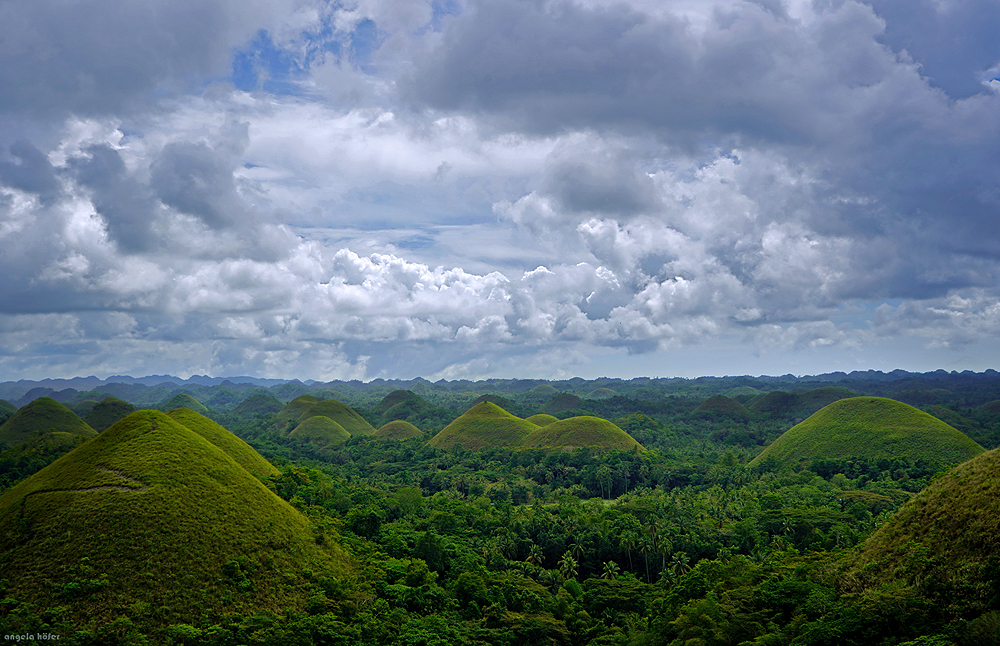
[
  {"x": 582, "y": 431},
  {"x": 7, "y": 408},
  {"x": 943, "y": 536},
  {"x": 341, "y": 413},
  {"x": 107, "y": 412},
  {"x": 321, "y": 430},
  {"x": 288, "y": 417},
  {"x": 784, "y": 404},
  {"x": 81, "y": 408},
  {"x": 871, "y": 427},
  {"x": 183, "y": 400},
  {"x": 541, "y": 419},
  {"x": 485, "y": 424},
  {"x": 397, "y": 430},
  {"x": 42, "y": 415},
  {"x": 259, "y": 404},
  {"x": 221, "y": 437},
  {"x": 601, "y": 393},
  {"x": 561, "y": 402},
  {"x": 723, "y": 404},
  {"x": 149, "y": 514}
]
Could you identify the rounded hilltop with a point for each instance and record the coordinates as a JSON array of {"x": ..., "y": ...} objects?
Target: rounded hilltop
[
  {"x": 870, "y": 427},
  {"x": 397, "y": 430},
  {"x": 150, "y": 512},
  {"x": 484, "y": 425},
  {"x": 321, "y": 430},
  {"x": 582, "y": 431},
  {"x": 40, "y": 417}
]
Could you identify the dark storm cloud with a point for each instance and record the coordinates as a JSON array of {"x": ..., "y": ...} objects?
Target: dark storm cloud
[
  {"x": 31, "y": 172},
  {"x": 126, "y": 205},
  {"x": 196, "y": 179}
]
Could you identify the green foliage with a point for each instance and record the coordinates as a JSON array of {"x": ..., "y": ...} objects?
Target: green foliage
[
  {"x": 341, "y": 413},
  {"x": 320, "y": 430},
  {"x": 107, "y": 412},
  {"x": 183, "y": 400},
  {"x": 581, "y": 431},
  {"x": 483, "y": 425},
  {"x": 259, "y": 404}
]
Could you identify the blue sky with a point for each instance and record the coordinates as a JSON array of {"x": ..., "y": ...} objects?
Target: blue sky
[{"x": 516, "y": 188}]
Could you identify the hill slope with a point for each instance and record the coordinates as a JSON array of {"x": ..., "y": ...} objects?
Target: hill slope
[
  {"x": 871, "y": 427},
  {"x": 151, "y": 512},
  {"x": 397, "y": 430},
  {"x": 183, "y": 400},
  {"x": 221, "y": 437},
  {"x": 43, "y": 415},
  {"x": 485, "y": 424},
  {"x": 321, "y": 430},
  {"x": 341, "y": 413},
  {"x": 259, "y": 404},
  {"x": 954, "y": 520},
  {"x": 107, "y": 412},
  {"x": 582, "y": 431}
]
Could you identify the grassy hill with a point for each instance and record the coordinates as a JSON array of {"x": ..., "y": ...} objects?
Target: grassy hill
[
  {"x": 581, "y": 431},
  {"x": 485, "y": 424},
  {"x": 722, "y": 404},
  {"x": 542, "y": 419},
  {"x": 259, "y": 404},
  {"x": 234, "y": 447},
  {"x": 43, "y": 415},
  {"x": 561, "y": 402},
  {"x": 944, "y": 534},
  {"x": 288, "y": 417},
  {"x": 183, "y": 400},
  {"x": 804, "y": 404},
  {"x": 107, "y": 412},
  {"x": 871, "y": 427},
  {"x": 397, "y": 430},
  {"x": 150, "y": 514},
  {"x": 321, "y": 430},
  {"x": 341, "y": 413}
]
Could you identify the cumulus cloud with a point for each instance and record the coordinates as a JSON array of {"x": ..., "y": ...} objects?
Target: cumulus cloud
[{"x": 384, "y": 188}]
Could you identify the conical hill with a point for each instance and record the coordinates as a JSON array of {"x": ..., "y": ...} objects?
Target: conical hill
[
  {"x": 321, "y": 430},
  {"x": 582, "y": 431},
  {"x": 259, "y": 404},
  {"x": 183, "y": 400},
  {"x": 288, "y": 417},
  {"x": 43, "y": 415},
  {"x": 397, "y": 430},
  {"x": 150, "y": 513},
  {"x": 542, "y": 419},
  {"x": 107, "y": 412},
  {"x": 871, "y": 427},
  {"x": 223, "y": 438},
  {"x": 945, "y": 533},
  {"x": 341, "y": 413},
  {"x": 723, "y": 404},
  {"x": 484, "y": 425}
]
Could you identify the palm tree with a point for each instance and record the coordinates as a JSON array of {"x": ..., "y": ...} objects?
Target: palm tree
[
  {"x": 646, "y": 546},
  {"x": 680, "y": 564},
  {"x": 535, "y": 555},
  {"x": 627, "y": 541},
  {"x": 611, "y": 570},
  {"x": 567, "y": 566}
]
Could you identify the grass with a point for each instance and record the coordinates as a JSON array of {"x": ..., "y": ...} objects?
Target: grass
[
  {"x": 321, "y": 430},
  {"x": 397, "y": 430},
  {"x": 953, "y": 522},
  {"x": 484, "y": 425},
  {"x": 582, "y": 431},
  {"x": 341, "y": 413},
  {"x": 871, "y": 427},
  {"x": 221, "y": 437},
  {"x": 542, "y": 419},
  {"x": 43, "y": 415},
  {"x": 288, "y": 417},
  {"x": 150, "y": 514}
]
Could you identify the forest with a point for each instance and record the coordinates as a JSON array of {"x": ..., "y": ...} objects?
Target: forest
[{"x": 686, "y": 539}]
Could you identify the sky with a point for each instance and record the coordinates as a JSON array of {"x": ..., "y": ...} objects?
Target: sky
[{"x": 462, "y": 189}]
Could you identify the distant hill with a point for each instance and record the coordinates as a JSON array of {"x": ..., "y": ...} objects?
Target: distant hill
[
  {"x": 183, "y": 400},
  {"x": 581, "y": 431},
  {"x": 341, "y": 413},
  {"x": 150, "y": 512},
  {"x": 288, "y": 417},
  {"x": 259, "y": 404},
  {"x": 397, "y": 430},
  {"x": 82, "y": 407},
  {"x": 484, "y": 425},
  {"x": 221, "y": 437},
  {"x": 411, "y": 407},
  {"x": 601, "y": 393},
  {"x": 561, "y": 402},
  {"x": 804, "y": 404},
  {"x": 954, "y": 521},
  {"x": 42, "y": 415},
  {"x": 723, "y": 404},
  {"x": 107, "y": 412},
  {"x": 321, "y": 430},
  {"x": 871, "y": 427}
]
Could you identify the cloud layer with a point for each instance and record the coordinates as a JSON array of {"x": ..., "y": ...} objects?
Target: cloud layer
[{"x": 522, "y": 188}]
